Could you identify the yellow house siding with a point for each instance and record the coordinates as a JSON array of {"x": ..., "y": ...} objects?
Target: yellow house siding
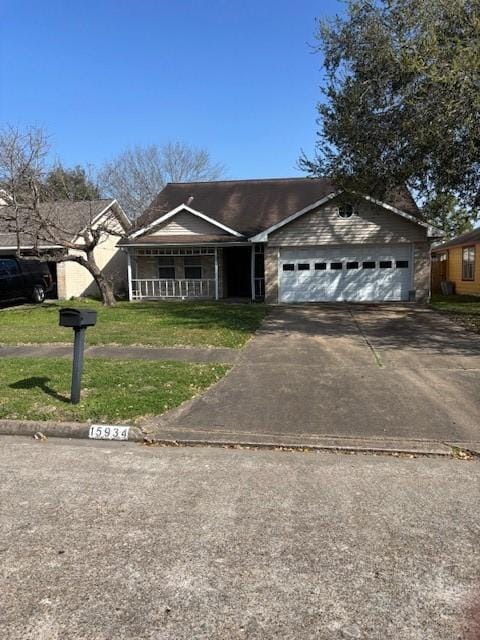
[
  {"x": 466, "y": 287},
  {"x": 111, "y": 260}
]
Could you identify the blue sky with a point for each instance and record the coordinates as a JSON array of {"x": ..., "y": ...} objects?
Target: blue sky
[{"x": 236, "y": 77}]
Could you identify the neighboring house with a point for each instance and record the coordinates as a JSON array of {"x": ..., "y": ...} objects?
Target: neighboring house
[
  {"x": 5, "y": 199},
  {"x": 285, "y": 240},
  {"x": 458, "y": 261},
  {"x": 72, "y": 280}
]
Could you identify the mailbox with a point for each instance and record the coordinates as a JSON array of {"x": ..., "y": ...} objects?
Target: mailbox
[{"x": 77, "y": 318}]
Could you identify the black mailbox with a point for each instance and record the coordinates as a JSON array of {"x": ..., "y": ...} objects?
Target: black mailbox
[{"x": 77, "y": 318}]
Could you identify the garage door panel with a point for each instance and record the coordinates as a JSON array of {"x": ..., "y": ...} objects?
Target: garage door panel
[{"x": 383, "y": 282}]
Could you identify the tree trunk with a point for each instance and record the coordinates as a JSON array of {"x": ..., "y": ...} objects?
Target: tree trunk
[{"x": 105, "y": 286}]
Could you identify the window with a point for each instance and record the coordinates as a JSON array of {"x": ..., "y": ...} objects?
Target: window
[
  {"x": 345, "y": 211},
  {"x": 304, "y": 266},
  {"x": 320, "y": 266},
  {"x": 8, "y": 267},
  {"x": 193, "y": 267},
  {"x": 335, "y": 266},
  {"x": 166, "y": 268},
  {"x": 368, "y": 265},
  {"x": 289, "y": 267},
  {"x": 401, "y": 264},
  {"x": 352, "y": 265},
  {"x": 385, "y": 264},
  {"x": 468, "y": 263}
]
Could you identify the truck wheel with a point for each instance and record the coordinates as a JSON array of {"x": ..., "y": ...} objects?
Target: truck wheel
[{"x": 38, "y": 294}]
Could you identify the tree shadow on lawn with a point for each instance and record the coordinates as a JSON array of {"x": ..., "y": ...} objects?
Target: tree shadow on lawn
[{"x": 39, "y": 382}]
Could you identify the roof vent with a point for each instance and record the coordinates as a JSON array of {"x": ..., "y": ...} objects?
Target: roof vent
[{"x": 190, "y": 200}]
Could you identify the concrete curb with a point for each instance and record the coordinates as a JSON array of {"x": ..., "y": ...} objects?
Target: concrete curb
[
  {"x": 386, "y": 446},
  {"x": 52, "y": 429}
]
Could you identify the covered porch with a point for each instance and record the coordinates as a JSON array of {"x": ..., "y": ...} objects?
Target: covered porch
[{"x": 192, "y": 272}]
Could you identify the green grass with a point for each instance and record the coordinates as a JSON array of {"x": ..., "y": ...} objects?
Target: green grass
[
  {"x": 462, "y": 309},
  {"x": 140, "y": 323},
  {"x": 112, "y": 391}
]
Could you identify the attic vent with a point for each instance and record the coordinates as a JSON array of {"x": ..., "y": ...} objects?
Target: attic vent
[{"x": 190, "y": 200}]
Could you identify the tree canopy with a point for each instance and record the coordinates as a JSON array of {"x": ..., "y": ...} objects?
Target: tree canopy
[
  {"x": 402, "y": 99},
  {"x": 69, "y": 184}
]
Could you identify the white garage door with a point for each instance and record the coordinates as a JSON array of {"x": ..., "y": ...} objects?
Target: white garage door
[{"x": 345, "y": 273}]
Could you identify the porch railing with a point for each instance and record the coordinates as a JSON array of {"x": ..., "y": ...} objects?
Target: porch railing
[{"x": 154, "y": 288}]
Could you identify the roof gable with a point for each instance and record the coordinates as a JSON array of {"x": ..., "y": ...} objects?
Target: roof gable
[{"x": 182, "y": 209}]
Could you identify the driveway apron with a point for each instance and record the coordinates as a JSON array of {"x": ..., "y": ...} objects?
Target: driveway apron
[{"x": 347, "y": 370}]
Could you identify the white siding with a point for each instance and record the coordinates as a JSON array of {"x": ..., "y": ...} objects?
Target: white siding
[
  {"x": 372, "y": 225},
  {"x": 186, "y": 224}
]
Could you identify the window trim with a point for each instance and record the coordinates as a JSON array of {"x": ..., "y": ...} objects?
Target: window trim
[
  {"x": 346, "y": 208},
  {"x": 469, "y": 263}
]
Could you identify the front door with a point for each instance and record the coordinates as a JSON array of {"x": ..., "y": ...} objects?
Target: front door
[{"x": 238, "y": 264}]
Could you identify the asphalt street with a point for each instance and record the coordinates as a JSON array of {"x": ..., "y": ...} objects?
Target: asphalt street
[{"x": 123, "y": 541}]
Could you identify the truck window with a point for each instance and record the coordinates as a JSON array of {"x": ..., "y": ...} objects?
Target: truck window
[{"x": 8, "y": 267}]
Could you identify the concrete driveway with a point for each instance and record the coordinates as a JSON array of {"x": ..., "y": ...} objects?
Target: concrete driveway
[{"x": 361, "y": 371}]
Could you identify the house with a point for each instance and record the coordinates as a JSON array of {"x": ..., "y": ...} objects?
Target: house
[
  {"x": 72, "y": 218},
  {"x": 284, "y": 240},
  {"x": 458, "y": 261}
]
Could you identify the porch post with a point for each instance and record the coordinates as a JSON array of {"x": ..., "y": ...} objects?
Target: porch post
[
  {"x": 129, "y": 272},
  {"x": 252, "y": 272},
  {"x": 216, "y": 273}
]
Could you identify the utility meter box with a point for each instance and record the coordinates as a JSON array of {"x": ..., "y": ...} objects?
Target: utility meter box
[{"x": 77, "y": 318}]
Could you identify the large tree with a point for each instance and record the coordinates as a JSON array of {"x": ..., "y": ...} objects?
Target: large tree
[
  {"x": 62, "y": 183},
  {"x": 137, "y": 175},
  {"x": 402, "y": 99},
  {"x": 35, "y": 213}
]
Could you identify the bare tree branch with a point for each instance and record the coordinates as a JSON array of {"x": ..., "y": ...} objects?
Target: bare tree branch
[
  {"x": 137, "y": 175},
  {"x": 37, "y": 219}
]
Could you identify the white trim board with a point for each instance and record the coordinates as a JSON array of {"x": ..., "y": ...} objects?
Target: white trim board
[{"x": 184, "y": 207}]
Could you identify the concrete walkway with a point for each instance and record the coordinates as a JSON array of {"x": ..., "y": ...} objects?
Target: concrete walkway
[
  {"x": 353, "y": 371},
  {"x": 182, "y": 354}
]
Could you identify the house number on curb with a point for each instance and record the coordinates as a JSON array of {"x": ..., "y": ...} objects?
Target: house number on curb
[{"x": 108, "y": 432}]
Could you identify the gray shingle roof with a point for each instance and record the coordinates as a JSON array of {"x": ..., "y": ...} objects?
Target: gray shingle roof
[
  {"x": 251, "y": 206},
  {"x": 71, "y": 217},
  {"x": 470, "y": 237}
]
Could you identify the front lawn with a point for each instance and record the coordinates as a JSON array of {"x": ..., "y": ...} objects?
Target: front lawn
[
  {"x": 112, "y": 391},
  {"x": 159, "y": 324},
  {"x": 462, "y": 309}
]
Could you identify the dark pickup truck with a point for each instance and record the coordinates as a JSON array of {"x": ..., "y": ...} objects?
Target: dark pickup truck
[{"x": 24, "y": 279}]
